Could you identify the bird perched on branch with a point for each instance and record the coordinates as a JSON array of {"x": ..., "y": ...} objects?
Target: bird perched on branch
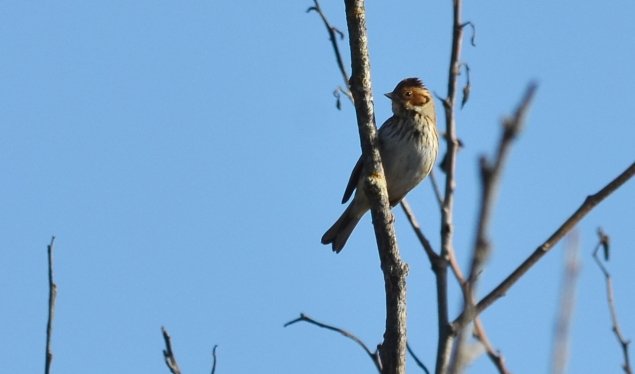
[{"x": 408, "y": 144}]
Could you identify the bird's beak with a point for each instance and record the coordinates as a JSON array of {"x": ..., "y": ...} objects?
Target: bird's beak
[{"x": 389, "y": 95}]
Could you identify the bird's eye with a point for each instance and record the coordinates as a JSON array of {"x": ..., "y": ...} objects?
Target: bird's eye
[{"x": 408, "y": 94}]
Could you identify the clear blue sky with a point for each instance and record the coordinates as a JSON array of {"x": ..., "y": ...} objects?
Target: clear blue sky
[{"x": 188, "y": 156}]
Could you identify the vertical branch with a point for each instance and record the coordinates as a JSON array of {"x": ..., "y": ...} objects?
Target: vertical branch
[
  {"x": 604, "y": 243},
  {"x": 214, "y": 359},
  {"x": 168, "y": 354},
  {"x": 440, "y": 269},
  {"x": 490, "y": 177},
  {"x": 333, "y": 34},
  {"x": 560, "y": 351},
  {"x": 393, "y": 348},
  {"x": 52, "y": 296}
]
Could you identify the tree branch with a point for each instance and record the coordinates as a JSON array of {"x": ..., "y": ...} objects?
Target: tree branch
[
  {"x": 214, "y": 359},
  {"x": 425, "y": 243},
  {"x": 494, "y": 355},
  {"x": 490, "y": 178},
  {"x": 168, "y": 354},
  {"x": 374, "y": 356},
  {"x": 417, "y": 360},
  {"x": 589, "y": 203},
  {"x": 604, "y": 243},
  {"x": 51, "y": 310},
  {"x": 479, "y": 330},
  {"x": 435, "y": 189},
  {"x": 333, "y": 33},
  {"x": 449, "y": 165},
  {"x": 393, "y": 348},
  {"x": 560, "y": 350}
]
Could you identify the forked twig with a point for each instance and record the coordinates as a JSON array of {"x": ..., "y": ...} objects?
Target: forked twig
[
  {"x": 624, "y": 343},
  {"x": 168, "y": 354},
  {"x": 51, "y": 310},
  {"x": 374, "y": 356}
]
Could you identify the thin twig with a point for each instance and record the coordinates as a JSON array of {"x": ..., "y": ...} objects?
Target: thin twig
[
  {"x": 419, "y": 362},
  {"x": 333, "y": 34},
  {"x": 51, "y": 310},
  {"x": 560, "y": 351},
  {"x": 473, "y": 38},
  {"x": 435, "y": 188},
  {"x": 214, "y": 359},
  {"x": 589, "y": 203},
  {"x": 372, "y": 355},
  {"x": 617, "y": 330},
  {"x": 425, "y": 243},
  {"x": 445, "y": 334},
  {"x": 393, "y": 348},
  {"x": 494, "y": 355},
  {"x": 168, "y": 354}
]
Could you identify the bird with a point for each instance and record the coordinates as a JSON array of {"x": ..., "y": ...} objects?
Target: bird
[{"x": 408, "y": 145}]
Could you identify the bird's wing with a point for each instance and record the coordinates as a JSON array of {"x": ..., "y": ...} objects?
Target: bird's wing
[{"x": 352, "y": 181}]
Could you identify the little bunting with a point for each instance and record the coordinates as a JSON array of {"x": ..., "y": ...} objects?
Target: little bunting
[{"x": 408, "y": 145}]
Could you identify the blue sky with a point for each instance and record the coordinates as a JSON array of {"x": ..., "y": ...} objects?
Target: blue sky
[{"x": 188, "y": 156}]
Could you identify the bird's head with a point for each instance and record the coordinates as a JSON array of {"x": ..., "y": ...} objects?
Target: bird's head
[{"x": 410, "y": 95}]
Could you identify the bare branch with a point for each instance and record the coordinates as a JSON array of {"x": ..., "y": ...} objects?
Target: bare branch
[
  {"x": 604, "y": 243},
  {"x": 374, "y": 356},
  {"x": 333, "y": 34},
  {"x": 560, "y": 351},
  {"x": 446, "y": 334},
  {"x": 494, "y": 355},
  {"x": 589, "y": 203},
  {"x": 435, "y": 188},
  {"x": 51, "y": 310},
  {"x": 490, "y": 177},
  {"x": 479, "y": 330},
  {"x": 432, "y": 255},
  {"x": 419, "y": 362},
  {"x": 393, "y": 348},
  {"x": 168, "y": 354},
  {"x": 214, "y": 359}
]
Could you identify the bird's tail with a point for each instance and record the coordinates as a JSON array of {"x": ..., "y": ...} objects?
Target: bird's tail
[{"x": 342, "y": 228}]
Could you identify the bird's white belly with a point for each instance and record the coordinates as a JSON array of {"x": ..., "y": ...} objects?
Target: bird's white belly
[{"x": 405, "y": 168}]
